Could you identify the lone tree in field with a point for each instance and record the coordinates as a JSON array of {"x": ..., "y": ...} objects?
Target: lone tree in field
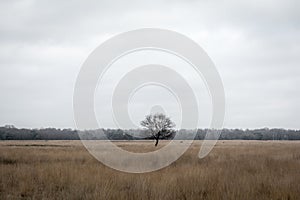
[{"x": 159, "y": 125}]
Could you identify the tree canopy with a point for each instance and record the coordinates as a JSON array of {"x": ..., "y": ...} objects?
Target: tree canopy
[{"x": 159, "y": 125}]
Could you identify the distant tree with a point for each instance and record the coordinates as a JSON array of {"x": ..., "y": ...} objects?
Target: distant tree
[
  {"x": 159, "y": 125},
  {"x": 9, "y": 126}
]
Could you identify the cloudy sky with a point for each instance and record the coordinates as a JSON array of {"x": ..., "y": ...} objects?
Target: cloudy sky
[{"x": 255, "y": 46}]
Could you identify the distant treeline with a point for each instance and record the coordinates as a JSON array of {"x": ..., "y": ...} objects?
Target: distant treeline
[{"x": 12, "y": 133}]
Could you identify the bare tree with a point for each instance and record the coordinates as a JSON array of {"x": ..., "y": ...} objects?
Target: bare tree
[{"x": 159, "y": 125}]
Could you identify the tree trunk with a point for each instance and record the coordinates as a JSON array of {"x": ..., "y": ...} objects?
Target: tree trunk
[
  {"x": 156, "y": 143},
  {"x": 157, "y": 138}
]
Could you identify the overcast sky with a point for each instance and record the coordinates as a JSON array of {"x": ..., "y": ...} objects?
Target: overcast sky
[{"x": 255, "y": 46}]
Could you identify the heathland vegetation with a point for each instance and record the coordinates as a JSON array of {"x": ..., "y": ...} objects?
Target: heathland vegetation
[{"x": 233, "y": 170}]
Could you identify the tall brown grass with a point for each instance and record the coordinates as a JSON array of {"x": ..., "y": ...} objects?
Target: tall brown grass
[{"x": 233, "y": 170}]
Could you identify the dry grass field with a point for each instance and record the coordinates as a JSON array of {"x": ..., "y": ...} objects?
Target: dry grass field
[{"x": 233, "y": 170}]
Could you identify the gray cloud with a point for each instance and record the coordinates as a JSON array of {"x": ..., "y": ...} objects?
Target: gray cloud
[{"x": 254, "y": 44}]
